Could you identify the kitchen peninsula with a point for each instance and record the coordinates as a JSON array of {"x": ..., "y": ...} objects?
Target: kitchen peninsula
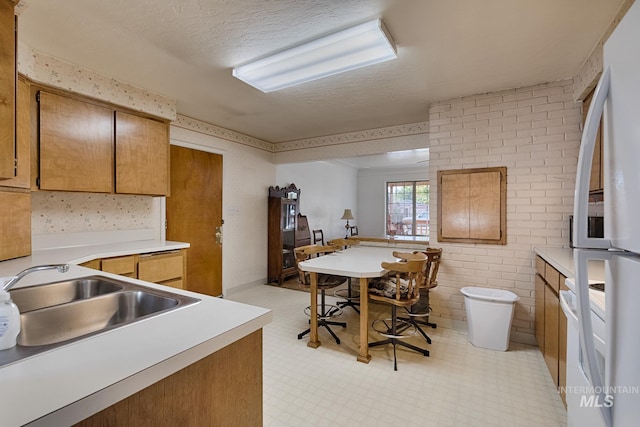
[{"x": 170, "y": 369}]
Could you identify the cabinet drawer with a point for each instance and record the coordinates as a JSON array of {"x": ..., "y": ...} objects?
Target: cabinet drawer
[
  {"x": 161, "y": 267},
  {"x": 124, "y": 265},
  {"x": 94, "y": 263},
  {"x": 174, "y": 283},
  {"x": 540, "y": 263},
  {"x": 552, "y": 276}
]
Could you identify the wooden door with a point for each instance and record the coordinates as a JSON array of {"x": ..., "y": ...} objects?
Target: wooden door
[{"x": 194, "y": 212}]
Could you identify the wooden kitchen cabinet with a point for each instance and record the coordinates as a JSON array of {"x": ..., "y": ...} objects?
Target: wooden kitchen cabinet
[
  {"x": 76, "y": 145},
  {"x": 23, "y": 139},
  {"x": 165, "y": 268},
  {"x": 551, "y": 337},
  {"x": 15, "y": 224},
  {"x": 596, "y": 181},
  {"x": 92, "y": 146},
  {"x": 142, "y": 155},
  {"x": 222, "y": 389},
  {"x": 122, "y": 265},
  {"x": 539, "y": 306},
  {"x": 472, "y": 205},
  {"x": 8, "y": 83},
  {"x": 562, "y": 347},
  {"x": 550, "y": 322}
]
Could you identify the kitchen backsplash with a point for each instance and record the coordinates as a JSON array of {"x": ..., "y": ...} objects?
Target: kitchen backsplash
[{"x": 63, "y": 212}]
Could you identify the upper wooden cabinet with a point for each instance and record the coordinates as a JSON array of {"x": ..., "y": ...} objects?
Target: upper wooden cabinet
[
  {"x": 76, "y": 145},
  {"x": 472, "y": 205},
  {"x": 142, "y": 155},
  {"x": 89, "y": 146},
  {"x": 8, "y": 77},
  {"x": 596, "y": 181},
  {"x": 23, "y": 139}
]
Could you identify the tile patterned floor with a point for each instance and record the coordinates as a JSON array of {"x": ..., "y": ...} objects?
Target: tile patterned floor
[{"x": 458, "y": 385}]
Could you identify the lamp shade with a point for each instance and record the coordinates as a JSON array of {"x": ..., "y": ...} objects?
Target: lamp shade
[{"x": 347, "y": 214}]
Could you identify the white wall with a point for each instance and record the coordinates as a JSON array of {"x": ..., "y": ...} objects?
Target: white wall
[
  {"x": 372, "y": 185},
  {"x": 327, "y": 189}
]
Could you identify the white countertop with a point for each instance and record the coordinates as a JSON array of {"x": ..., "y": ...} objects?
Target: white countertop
[
  {"x": 69, "y": 383},
  {"x": 562, "y": 260},
  {"x": 80, "y": 254}
]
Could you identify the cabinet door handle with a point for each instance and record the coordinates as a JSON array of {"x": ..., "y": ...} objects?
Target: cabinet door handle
[{"x": 218, "y": 235}]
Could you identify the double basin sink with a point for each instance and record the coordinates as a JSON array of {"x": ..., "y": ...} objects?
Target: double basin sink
[{"x": 59, "y": 313}]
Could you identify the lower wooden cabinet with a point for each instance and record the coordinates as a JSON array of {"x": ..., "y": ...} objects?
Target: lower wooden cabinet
[
  {"x": 166, "y": 268},
  {"x": 550, "y": 322},
  {"x": 122, "y": 265},
  {"x": 15, "y": 224},
  {"x": 222, "y": 389}
]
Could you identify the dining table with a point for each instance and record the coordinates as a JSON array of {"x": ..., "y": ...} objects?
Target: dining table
[{"x": 361, "y": 262}]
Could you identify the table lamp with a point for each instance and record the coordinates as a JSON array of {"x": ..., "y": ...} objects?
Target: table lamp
[{"x": 347, "y": 215}]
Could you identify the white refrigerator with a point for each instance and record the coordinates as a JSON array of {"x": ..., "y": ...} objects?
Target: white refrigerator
[{"x": 603, "y": 363}]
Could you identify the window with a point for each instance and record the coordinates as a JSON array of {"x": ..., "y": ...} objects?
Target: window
[{"x": 408, "y": 208}]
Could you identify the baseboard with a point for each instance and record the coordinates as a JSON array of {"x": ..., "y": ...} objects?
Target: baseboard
[{"x": 234, "y": 290}]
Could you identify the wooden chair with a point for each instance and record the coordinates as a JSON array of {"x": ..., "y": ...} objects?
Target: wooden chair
[
  {"x": 341, "y": 243},
  {"x": 399, "y": 288},
  {"x": 318, "y": 236},
  {"x": 325, "y": 281},
  {"x": 418, "y": 314},
  {"x": 350, "y": 297}
]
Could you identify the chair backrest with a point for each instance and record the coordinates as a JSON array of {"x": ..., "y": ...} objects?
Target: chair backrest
[
  {"x": 406, "y": 274},
  {"x": 318, "y": 236},
  {"x": 341, "y": 243},
  {"x": 430, "y": 273},
  {"x": 303, "y": 253}
]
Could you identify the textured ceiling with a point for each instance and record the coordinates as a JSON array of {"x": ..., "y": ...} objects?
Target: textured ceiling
[{"x": 185, "y": 50}]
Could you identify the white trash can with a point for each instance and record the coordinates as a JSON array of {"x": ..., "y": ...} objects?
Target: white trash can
[{"x": 489, "y": 316}]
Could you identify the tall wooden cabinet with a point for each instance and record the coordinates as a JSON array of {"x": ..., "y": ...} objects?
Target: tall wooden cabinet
[
  {"x": 8, "y": 82},
  {"x": 283, "y": 233}
]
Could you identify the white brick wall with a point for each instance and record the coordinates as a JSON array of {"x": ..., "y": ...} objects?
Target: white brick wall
[{"x": 535, "y": 132}]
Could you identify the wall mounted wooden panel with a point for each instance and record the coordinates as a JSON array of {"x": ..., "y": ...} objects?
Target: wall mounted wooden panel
[{"x": 472, "y": 205}]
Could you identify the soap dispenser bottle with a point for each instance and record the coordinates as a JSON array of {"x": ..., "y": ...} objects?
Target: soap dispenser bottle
[{"x": 9, "y": 321}]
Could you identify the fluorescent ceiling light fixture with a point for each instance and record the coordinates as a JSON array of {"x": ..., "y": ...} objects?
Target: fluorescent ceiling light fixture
[{"x": 365, "y": 44}]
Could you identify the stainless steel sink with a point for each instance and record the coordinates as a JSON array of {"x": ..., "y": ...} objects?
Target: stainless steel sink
[
  {"x": 40, "y": 296},
  {"x": 57, "y": 314},
  {"x": 80, "y": 318}
]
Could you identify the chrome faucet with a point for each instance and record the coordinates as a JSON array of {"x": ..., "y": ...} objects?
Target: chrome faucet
[{"x": 62, "y": 268}]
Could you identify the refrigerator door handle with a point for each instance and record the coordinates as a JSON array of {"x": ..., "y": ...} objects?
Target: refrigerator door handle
[
  {"x": 585, "y": 328},
  {"x": 585, "y": 158}
]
